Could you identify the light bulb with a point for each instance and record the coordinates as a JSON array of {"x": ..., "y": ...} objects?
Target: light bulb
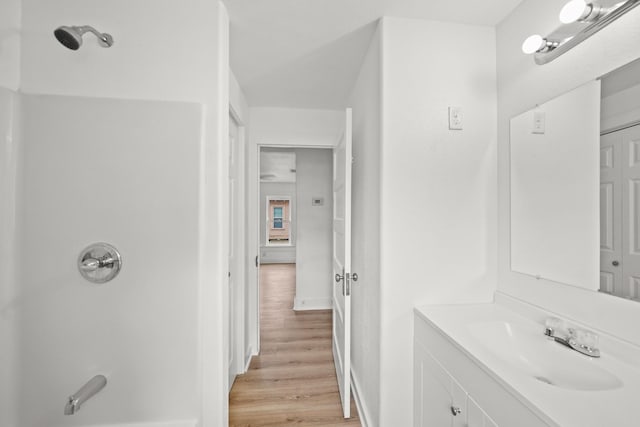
[
  {"x": 573, "y": 11},
  {"x": 532, "y": 44}
]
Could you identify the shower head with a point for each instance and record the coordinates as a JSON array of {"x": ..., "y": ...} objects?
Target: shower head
[{"x": 71, "y": 37}]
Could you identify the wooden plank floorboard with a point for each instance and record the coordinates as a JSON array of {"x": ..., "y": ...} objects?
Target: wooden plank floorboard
[{"x": 293, "y": 380}]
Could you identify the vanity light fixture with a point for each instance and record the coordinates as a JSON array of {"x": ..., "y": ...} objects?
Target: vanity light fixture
[
  {"x": 536, "y": 43},
  {"x": 580, "y": 20},
  {"x": 581, "y": 11}
]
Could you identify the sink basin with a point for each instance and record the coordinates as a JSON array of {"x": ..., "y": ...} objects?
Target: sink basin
[{"x": 524, "y": 348}]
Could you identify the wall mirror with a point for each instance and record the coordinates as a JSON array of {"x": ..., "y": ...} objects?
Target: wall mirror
[{"x": 575, "y": 186}]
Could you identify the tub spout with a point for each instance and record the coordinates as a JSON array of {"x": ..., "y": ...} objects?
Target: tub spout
[
  {"x": 86, "y": 392},
  {"x": 72, "y": 406}
]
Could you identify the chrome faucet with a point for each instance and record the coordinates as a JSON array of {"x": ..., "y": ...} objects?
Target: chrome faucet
[
  {"x": 85, "y": 393},
  {"x": 580, "y": 340}
]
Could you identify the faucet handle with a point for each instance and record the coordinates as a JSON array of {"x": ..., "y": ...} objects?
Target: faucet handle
[
  {"x": 586, "y": 338},
  {"x": 553, "y": 324}
]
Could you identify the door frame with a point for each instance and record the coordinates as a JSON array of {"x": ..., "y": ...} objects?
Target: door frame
[{"x": 237, "y": 338}]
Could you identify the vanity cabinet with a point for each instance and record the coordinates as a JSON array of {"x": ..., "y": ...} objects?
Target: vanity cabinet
[
  {"x": 439, "y": 400},
  {"x": 446, "y": 378}
]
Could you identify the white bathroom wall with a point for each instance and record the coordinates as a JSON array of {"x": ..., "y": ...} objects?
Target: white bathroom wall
[
  {"x": 521, "y": 85},
  {"x": 133, "y": 183},
  {"x": 314, "y": 265},
  {"x": 10, "y": 12},
  {"x": 278, "y": 254},
  {"x": 160, "y": 51},
  {"x": 9, "y": 82},
  {"x": 237, "y": 100},
  {"x": 9, "y": 357},
  {"x": 438, "y": 188},
  {"x": 163, "y": 51},
  {"x": 295, "y": 127},
  {"x": 365, "y": 99}
]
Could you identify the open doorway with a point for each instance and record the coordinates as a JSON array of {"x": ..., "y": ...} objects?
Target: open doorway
[
  {"x": 296, "y": 219},
  {"x": 295, "y": 367}
]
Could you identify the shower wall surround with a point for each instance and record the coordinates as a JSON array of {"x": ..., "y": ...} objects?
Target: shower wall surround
[
  {"x": 10, "y": 11},
  {"x": 104, "y": 170},
  {"x": 127, "y": 173},
  {"x": 8, "y": 283}
]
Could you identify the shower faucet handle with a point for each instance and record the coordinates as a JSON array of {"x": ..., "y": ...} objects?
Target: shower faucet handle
[
  {"x": 99, "y": 262},
  {"x": 90, "y": 264}
]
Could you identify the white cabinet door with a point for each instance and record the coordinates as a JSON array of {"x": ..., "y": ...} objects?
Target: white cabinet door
[
  {"x": 432, "y": 392},
  {"x": 475, "y": 416},
  {"x": 439, "y": 400},
  {"x": 458, "y": 406},
  {"x": 488, "y": 422}
]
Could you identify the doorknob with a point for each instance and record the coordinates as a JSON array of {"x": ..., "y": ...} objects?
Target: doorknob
[
  {"x": 615, "y": 263},
  {"x": 339, "y": 277}
]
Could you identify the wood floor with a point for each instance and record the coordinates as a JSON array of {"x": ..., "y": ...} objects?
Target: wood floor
[{"x": 293, "y": 380}]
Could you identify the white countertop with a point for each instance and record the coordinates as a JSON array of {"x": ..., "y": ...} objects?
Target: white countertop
[{"x": 558, "y": 406}]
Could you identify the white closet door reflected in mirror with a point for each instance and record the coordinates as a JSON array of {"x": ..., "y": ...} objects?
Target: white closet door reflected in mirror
[{"x": 620, "y": 213}]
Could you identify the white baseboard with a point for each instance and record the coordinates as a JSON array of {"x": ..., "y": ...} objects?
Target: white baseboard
[
  {"x": 247, "y": 359},
  {"x": 302, "y": 304},
  {"x": 363, "y": 411}
]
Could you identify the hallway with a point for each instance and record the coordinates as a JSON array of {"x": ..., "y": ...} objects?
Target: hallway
[{"x": 292, "y": 381}]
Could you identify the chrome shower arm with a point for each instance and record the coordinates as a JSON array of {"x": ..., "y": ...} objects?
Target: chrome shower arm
[{"x": 105, "y": 39}]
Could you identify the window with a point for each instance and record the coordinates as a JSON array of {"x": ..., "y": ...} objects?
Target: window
[
  {"x": 277, "y": 217},
  {"x": 278, "y": 221}
]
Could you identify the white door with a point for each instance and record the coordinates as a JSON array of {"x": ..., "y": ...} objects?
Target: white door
[
  {"x": 342, "y": 264},
  {"x": 620, "y": 213},
  {"x": 611, "y": 213},
  {"x": 232, "y": 270},
  {"x": 631, "y": 213}
]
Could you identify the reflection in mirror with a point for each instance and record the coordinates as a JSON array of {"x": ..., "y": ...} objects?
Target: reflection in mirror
[
  {"x": 554, "y": 188},
  {"x": 620, "y": 183},
  {"x": 575, "y": 182}
]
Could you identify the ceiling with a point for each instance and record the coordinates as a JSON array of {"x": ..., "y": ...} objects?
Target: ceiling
[{"x": 307, "y": 53}]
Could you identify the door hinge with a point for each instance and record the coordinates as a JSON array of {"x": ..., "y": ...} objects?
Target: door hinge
[{"x": 256, "y": 260}]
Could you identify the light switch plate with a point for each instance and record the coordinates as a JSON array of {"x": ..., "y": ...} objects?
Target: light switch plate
[
  {"x": 539, "y": 122},
  {"x": 455, "y": 118}
]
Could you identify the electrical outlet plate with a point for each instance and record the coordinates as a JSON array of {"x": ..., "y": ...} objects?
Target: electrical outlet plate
[{"x": 455, "y": 118}]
